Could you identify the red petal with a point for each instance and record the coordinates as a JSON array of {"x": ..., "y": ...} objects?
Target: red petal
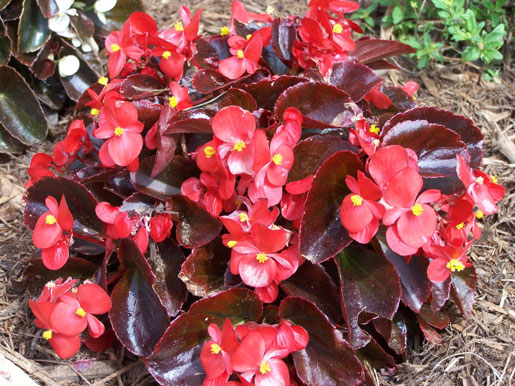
[
  {"x": 249, "y": 355},
  {"x": 267, "y": 294},
  {"x": 93, "y": 299},
  {"x": 42, "y": 311},
  {"x": 230, "y": 342},
  {"x": 65, "y": 321},
  {"x": 367, "y": 233},
  {"x": 387, "y": 162},
  {"x": 141, "y": 240},
  {"x": 254, "y": 48},
  {"x": 397, "y": 245},
  {"x": 213, "y": 364},
  {"x": 102, "y": 342},
  {"x": 232, "y": 67},
  {"x": 116, "y": 62},
  {"x": 106, "y": 212},
  {"x": 95, "y": 326},
  {"x": 256, "y": 274},
  {"x": 233, "y": 124},
  {"x": 437, "y": 270},
  {"x": 46, "y": 235},
  {"x": 125, "y": 148},
  {"x": 240, "y": 162},
  {"x": 354, "y": 218},
  {"x": 403, "y": 189},
  {"x": 269, "y": 240},
  {"x": 51, "y": 204},
  {"x": 55, "y": 257},
  {"x": 415, "y": 230},
  {"x": 278, "y": 375},
  {"x": 65, "y": 346},
  {"x": 64, "y": 217}
]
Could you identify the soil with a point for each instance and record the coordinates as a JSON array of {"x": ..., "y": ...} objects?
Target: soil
[{"x": 480, "y": 351}]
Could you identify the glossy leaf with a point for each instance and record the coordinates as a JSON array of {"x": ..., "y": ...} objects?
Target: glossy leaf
[
  {"x": 140, "y": 86},
  {"x": 416, "y": 287},
  {"x": 440, "y": 294},
  {"x": 377, "y": 357},
  {"x": 137, "y": 316},
  {"x": 321, "y": 234},
  {"x": 311, "y": 152},
  {"x": 321, "y": 104},
  {"x": 9, "y": 144},
  {"x": 168, "y": 181},
  {"x": 176, "y": 358},
  {"x": 48, "y": 7},
  {"x": 328, "y": 359},
  {"x": 20, "y": 112},
  {"x": 211, "y": 50},
  {"x": 266, "y": 91},
  {"x": 33, "y": 29},
  {"x": 206, "y": 81},
  {"x": 436, "y": 148},
  {"x": 437, "y": 319},
  {"x": 166, "y": 261},
  {"x": 354, "y": 78},
  {"x": 204, "y": 270},
  {"x": 195, "y": 226},
  {"x": 313, "y": 283},
  {"x": 43, "y": 67},
  {"x": 464, "y": 284},
  {"x": 401, "y": 101},
  {"x": 429, "y": 332},
  {"x": 370, "y": 50},
  {"x": 5, "y": 45},
  {"x": 191, "y": 121},
  {"x": 284, "y": 33},
  {"x": 394, "y": 332},
  {"x": 469, "y": 134},
  {"x": 79, "y": 199},
  {"x": 233, "y": 97},
  {"x": 369, "y": 285}
]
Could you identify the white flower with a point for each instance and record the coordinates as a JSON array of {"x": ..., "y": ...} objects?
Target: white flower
[
  {"x": 60, "y": 22},
  {"x": 102, "y": 6},
  {"x": 68, "y": 65}
]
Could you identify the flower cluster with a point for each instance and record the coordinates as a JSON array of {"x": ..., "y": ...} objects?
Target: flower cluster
[
  {"x": 253, "y": 351},
  {"x": 64, "y": 312},
  {"x": 442, "y": 226}
]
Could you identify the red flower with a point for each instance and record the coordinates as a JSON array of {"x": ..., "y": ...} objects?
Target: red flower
[
  {"x": 446, "y": 260},
  {"x": 255, "y": 360},
  {"x": 184, "y": 32},
  {"x": 160, "y": 227},
  {"x": 74, "y": 313},
  {"x": 64, "y": 345},
  {"x": 359, "y": 212},
  {"x": 180, "y": 98},
  {"x": 235, "y": 127},
  {"x": 39, "y": 168},
  {"x": 119, "y": 124},
  {"x": 246, "y": 56},
  {"x": 481, "y": 188},
  {"x": 379, "y": 99},
  {"x": 292, "y": 203},
  {"x": 216, "y": 353},
  {"x": 53, "y": 290},
  {"x": 50, "y": 225},
  {"x": 119, "y": 45}
]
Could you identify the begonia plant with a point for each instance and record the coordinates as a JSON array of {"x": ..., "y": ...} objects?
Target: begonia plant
[{"x": 255, "y": 207}]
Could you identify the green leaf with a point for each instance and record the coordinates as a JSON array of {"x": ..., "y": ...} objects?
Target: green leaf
[
  {"x": 20, "y": 111},
  {"x": 33, "y": 30},
  {"x": 397, "y": 14},
  {"x": 470, "y": 54}
]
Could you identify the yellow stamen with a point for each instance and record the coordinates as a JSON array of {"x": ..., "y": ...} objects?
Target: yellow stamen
[
  {"x": 173, "y": 102},
  {"x": 337, "y": 28},
  {"x": 270, "y": 10},
  {"x": 103, "y": 81},
  {"x": 75, "y": 290},
  {"x": 50, "y": 284},
  {"x": 50, "y": 220},
  {"x": 115, "y": 47},
  {"x": 417, "y": 209},
  {"x": 179, "y": 26},
  {"x": 243, "y": 217},
  {"x": 118, "y": 131},
  {"x": 47, "y": 334},
  {"x": 356, "y": 199},
  {"x": 479, "y": 214},
  {"x": 460, "y": 226},
  {"x": 494, "y": 180},
  {"x": 480, "y": 180},
  {"x": 264, "y": 368},
  {"x": 248, "y": 36},
  {"x": 455, "y": 265},
  {"x": 224, "y": 30},
  {"x": 240, "y": 54},
  {"x": 215, "y": 349},
  {"x": 414, "y": 98},
  {"x": 209, "y": 151},
  {"x": 94, "y": 111},
  {"x": 231, "y": 243},
  {"x": 374, "y": 129},
  {"x": 80, "y": 312},
  {"x": 277, "y": 159},
  {"x": 166, "y": 54},
  {"x": 239, "y": 146},
  {"x": 261, "y": 257}
]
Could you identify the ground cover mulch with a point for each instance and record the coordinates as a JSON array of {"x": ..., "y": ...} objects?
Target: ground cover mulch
[{"x": 480, "y": 351}]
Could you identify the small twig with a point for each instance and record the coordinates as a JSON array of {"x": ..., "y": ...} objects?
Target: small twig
[{"x": 115, "y": 374}]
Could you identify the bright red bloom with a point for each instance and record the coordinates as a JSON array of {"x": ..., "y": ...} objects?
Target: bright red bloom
[
  {"x": 184, "y": 32},
  {"x": 216, "y": 353},
  {"x": 481, "y": 188},
  {"x": 39, "y": 168},
  {"x": 73, "y": 313},
  {"x": 120, "y": 46},
  {"x": 359, "y": 212},
  {"x": 180, "y": 98},
  {"x": 378, "y": 98},
  {"x": 410, "y": 88},
  {"x": 64, "y": 345},
  {"x": 118, "y": 123},
  {"x": 53, "y": 290},
  {"x": 246, "y": 56},
  {"x": 292, "y": 203},
  {"x": 160, "y": 227},
  {"x": 255, "y": 360},
  {"x": 235, "y": 127},
  {"x": 389, "y": 161},
  {"x": 446, "y": 260},
  {"x": 51, "y": 224}
]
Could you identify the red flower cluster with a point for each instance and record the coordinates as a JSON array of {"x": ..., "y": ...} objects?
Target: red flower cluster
[
  {"x": 442, "y": 226},
  {"x": 53, "y": 233},
  {"x": 238, "y": 150},
  {"x": 65, "y": 311},
  {"x": 253, "y": 351}
]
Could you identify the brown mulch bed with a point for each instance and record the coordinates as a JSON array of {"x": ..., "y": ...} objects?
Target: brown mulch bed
[{"x": 480, "y": 351}]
